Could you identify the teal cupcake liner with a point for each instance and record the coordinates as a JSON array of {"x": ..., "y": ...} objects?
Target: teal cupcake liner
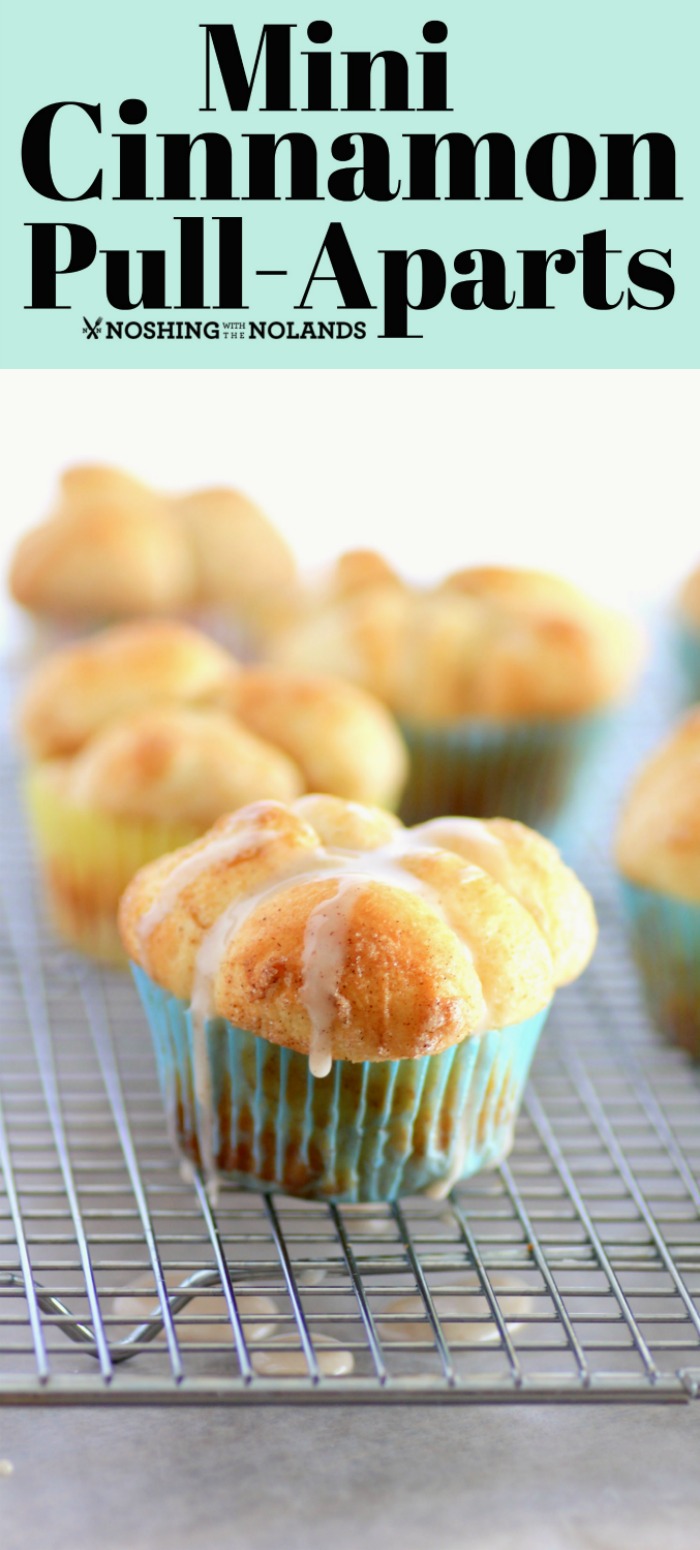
[
  {"x": 665, "y": 936},
  {"x": 687, "y": 651},
  {"x": 533, "y": 771},
  {"x": 367, "y": 1132}
]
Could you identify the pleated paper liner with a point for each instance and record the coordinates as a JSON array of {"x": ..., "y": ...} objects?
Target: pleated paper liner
[
  {"x": 367, "y": 1132},
  {"x": 536, "y": 772},
  {"x": 665, "y": 936}
]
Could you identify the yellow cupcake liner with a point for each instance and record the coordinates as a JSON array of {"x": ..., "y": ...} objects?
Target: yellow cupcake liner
[{"x": 86, "y": 860}]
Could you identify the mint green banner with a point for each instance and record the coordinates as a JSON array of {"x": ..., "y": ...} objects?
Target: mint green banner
[{"x": 508, "y": 272}]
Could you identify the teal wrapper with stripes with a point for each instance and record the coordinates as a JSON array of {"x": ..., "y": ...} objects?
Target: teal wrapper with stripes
[
  {"x": 687, "y": 650},
  {"x": 369, "y": 1131},
  {"x": 665, "y": 936},
  {"x": 533, "y": 771}
]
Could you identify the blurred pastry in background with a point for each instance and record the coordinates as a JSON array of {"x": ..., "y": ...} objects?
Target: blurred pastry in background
[
  {"x": 113, "y": 548},
  {"x": 344, "y": 1008},
  {"x": 355, "y": 572},
  {"x": 658, "y": 854},
  {"x": 359, "y": 570},
  {"x": 342, "y": 738},
  {"x": 140, "y": 737},
  {"x": 108, "y": 549},
  {"x": 687, "y": 632},
  {"x": 243, "y": 571},
  {"x": 83, "y": 687},
  {"x": 503, "y": 680}
]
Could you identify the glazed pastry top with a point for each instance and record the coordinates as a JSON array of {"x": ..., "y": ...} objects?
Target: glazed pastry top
[
  {"x": 333, "y": 930},
  {"x": 156, "y": 713},
  {"x": 114, "y": 547},
  {"x": 658, "y": 837},
  {"x": 486, "y": 644}
]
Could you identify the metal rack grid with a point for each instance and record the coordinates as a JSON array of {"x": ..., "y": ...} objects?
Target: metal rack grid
[{"x": 570, "y": 1273}]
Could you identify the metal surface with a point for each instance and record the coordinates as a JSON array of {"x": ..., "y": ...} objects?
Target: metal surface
[{"x": 575, "y": 1267}]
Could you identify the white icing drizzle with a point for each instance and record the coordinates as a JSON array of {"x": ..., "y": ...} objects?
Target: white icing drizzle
[
  {"x": 442, "y": 832},
  {"x": 228, "y": 847},
  {"x": 326, "y": 941},
  {"x": 323, "y": 961}
]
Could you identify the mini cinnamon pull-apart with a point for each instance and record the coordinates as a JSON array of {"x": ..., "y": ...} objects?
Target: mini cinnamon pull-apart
[
  {"x": 504, "y": 681},
  {"x": 346, "y": 1008},
  {"x": 114, "y": 548}
]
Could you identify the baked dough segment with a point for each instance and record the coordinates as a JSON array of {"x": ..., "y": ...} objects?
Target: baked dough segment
[
  {"x": 113, "y": 547},
  {"x": 133, "y": 692},
  {"x": 488, "y": 643},
  {"x": 343, "y": 739},
  {"x": 81, "y": 688},
  {"x": 407, "y": 946},
  {"x": 176, "y": 766},
  {"x": 658, "y": 836},
  {"x": 236, "y": 554}
]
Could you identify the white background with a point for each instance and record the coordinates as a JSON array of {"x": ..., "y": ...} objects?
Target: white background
[{"x": 590, "y": 473}]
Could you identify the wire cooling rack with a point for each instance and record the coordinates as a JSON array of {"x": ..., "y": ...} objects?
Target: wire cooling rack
[{"x": 572, "y": 1273}]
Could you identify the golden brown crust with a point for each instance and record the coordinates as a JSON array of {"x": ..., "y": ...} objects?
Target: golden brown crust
[
  {"x": 266, "y": 838},
  {"x": 102, "y": 561},
  {"x": 271, "y": 733},
  {"x": 359, "y": 569},
  {"x": 487, "y": 644},
  {"x": 358, "y": 638},
  {"x": 516, "y": 587},
  {"x": 176, "y": 766},
  {"x": 355, "y": 572},
  {"x": 274, "y": 916},
  {"x": 113, "y": 547},
  {"x": 529, "y": 867},
  {"x": 342, "y": 739},
  {"x": 238, "y": 557},
  {"x": 87, "y": 484},
  {"x": 82, "y": 688},
  {"x": 347, "y": 825},
  {"x": 658, "y": 836}
]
